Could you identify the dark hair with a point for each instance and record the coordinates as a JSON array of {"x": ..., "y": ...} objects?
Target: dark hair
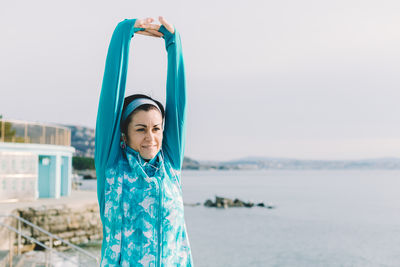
[{"x": 145, "y": 107}]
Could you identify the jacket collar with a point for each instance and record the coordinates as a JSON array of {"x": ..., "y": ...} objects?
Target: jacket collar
[{"x": 150, "y": 167}]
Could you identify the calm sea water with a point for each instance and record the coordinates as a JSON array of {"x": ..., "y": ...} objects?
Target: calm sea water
[{"x": 322, "y": 218}]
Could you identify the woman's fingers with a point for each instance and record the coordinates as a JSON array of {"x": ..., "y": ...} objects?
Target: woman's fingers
[
  {"x": 168, "y": 26},
  {"x": 148, "y": 34},
  {"x": 155, "y": 32},
  {"x": 145, "y": 33},
  {"x": 143, "y": 22},
  {"x": 152, "y": 26}
]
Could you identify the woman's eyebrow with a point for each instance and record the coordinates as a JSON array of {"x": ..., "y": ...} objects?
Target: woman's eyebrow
[{"x": 144, "y": 125}]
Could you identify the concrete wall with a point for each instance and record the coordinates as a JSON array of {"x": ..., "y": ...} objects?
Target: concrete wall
[
  {"x": 18, "y": 175},
  {"x": 75, "y": 224}
]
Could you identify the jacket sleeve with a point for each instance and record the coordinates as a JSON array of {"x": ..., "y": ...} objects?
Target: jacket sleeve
[
  {"x": 175, "y": 108},
  {"x": 107, "y": 135}
]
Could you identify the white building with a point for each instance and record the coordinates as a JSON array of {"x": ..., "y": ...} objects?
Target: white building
[{"x": 35, "y": 160}]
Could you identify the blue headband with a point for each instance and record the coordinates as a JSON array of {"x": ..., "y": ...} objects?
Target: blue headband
[{"x": 135, "y": 104}]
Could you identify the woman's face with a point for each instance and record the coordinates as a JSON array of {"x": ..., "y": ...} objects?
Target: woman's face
[{"x": 145, "y": 133}]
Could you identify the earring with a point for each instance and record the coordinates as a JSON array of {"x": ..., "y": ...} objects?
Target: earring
[{"x": 123, "y": 144}]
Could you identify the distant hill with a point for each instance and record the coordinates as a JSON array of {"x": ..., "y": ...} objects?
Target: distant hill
[
  {"x": 82, "y": 138},
  {"x": 298, "y": 164}
]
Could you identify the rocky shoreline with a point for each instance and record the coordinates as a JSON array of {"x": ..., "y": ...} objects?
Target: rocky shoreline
[{"x": 223, "y": 202}]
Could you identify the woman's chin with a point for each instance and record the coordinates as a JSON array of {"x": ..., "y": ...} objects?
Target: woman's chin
[{"x": 149, "y": 155}]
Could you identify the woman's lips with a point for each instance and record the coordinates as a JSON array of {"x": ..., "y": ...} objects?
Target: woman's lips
[{"x": 149, "y": 146}]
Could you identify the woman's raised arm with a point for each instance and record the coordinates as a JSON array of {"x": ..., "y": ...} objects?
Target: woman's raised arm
[
  {"x": 107, "y": 137},
  {"x": 175, "y": 108}
]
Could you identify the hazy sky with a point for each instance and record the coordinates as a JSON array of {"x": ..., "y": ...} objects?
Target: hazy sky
[{"x": 305, "y": 79}]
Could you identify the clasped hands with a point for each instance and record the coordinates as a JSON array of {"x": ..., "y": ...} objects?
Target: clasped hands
[{"x": 151, "y": 29}]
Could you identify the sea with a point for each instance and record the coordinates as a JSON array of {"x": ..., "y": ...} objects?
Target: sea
[{"x": 320, "y": 218}]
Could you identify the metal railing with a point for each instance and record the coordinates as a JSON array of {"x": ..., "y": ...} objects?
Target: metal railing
[
  {"x": 49, "y": 249},
  {"x": 14, "y": 131}
]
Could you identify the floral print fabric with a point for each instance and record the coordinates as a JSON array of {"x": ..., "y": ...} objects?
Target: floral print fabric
[{"x": 144, "y": 214}]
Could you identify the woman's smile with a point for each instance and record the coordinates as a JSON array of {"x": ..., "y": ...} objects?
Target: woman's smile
[{"x": 149, "y": 146}]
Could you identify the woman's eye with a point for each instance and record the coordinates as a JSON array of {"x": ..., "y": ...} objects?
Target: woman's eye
[
  {"x": 157, "y": 129},
  {"x": 140, "y": 130}
]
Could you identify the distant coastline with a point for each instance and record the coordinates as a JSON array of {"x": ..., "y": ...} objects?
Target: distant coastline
[
  {"x": 295, "y": 164},
  {"x": 83, "y": 139}
]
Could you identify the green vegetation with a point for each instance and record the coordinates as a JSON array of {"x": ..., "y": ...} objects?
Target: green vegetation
[
  {"x": 10, "y": 132},
  {"x": 83, "y": 163}
]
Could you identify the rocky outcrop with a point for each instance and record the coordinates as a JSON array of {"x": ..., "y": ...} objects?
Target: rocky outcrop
[{"x": 222, "y": 202}]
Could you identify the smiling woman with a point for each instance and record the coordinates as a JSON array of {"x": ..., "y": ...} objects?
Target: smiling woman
[
  {"x": 138, "y": 158},
  {"x": 142, "y": 125},
  {"x": 144, "y": 133}
]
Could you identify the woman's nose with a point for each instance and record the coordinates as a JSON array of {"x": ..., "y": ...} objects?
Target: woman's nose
[{"x": 149, "y": 135}]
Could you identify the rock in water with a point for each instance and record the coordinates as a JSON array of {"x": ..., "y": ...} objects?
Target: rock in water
[
  {"x": 223, "y": 202},
  {"x": 248, "y": 204},
  {"x": 238, "y": 203},
  {"x": 209, "y": 203}
]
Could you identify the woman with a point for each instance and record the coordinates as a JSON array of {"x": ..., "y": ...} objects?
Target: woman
[{"x": 138, "y": 157}]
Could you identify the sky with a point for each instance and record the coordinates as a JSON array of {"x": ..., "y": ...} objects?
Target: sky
[{"x": 300, "y": 79}]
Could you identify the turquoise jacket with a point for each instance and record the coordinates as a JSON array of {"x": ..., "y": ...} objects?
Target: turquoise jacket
[{"x": 141, "y": 209}]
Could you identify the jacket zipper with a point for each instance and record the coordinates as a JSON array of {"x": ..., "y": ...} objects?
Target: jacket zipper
[
  {"x": 159, "y": 223},
  {"x": 159, "y": 218}
]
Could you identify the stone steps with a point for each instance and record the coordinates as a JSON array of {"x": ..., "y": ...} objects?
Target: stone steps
[
  {"x": 3, "y": 257},
  {"x": 17, "y": 261}
]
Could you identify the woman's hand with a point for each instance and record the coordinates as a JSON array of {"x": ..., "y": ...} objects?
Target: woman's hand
[
  {"x": 168, "y": 26},
  {"x": 146, "y": 24},
  {"x": 153, "y": 29}
]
